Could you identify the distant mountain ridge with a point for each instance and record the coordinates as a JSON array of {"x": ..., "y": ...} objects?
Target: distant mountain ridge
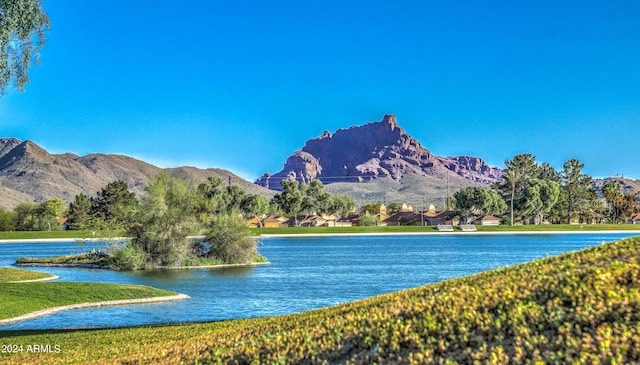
[
  {"x": 28, "y": 173},
  {"x": 371, "y": 151}
]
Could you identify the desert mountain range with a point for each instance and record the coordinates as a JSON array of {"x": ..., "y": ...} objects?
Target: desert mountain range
[
  {"x": 28, "y": 173},
  {"x": 377, "y": 161}
]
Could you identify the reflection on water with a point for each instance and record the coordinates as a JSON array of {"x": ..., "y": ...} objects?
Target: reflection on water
[{"x": 305, "y": 274}]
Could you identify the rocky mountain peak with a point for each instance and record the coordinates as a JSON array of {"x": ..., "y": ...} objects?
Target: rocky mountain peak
[
  {"x": 7, "y": 144},
  {"x": 390, "y": 120},
  {"x": 373, "y": 150}
]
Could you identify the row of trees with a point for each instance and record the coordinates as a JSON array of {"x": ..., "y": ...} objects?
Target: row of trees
[
  {"x": 310, "y": 198},
  {"x": 532, "y": 193}
]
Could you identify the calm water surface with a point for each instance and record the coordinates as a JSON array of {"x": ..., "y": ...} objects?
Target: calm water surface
[{"x": 305, "y": 274}]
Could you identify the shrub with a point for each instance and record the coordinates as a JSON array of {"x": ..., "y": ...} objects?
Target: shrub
[
  {"x": 127, "y": 257},
  {"x": 229, "y": 240}
]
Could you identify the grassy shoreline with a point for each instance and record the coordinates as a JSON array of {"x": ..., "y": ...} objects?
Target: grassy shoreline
[
  {"x": 11, "y": 275},
  {"x": 88, "y": 235},
  {"x": 18, "y": 299},
  {"x": 577, "y": 307}
]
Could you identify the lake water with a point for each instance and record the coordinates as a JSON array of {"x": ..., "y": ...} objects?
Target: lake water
[{"x": 305, "y": 274}]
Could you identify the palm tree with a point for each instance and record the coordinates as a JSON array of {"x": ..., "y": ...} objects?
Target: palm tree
[{"x": 512, "y": 177}]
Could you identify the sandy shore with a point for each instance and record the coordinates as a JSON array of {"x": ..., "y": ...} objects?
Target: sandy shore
[
  {"x": 52, "y": 277},
  {"x": 48, "y": 311}
]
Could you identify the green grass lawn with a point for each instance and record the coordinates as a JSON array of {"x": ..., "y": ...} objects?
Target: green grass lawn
[
  {"x": 8, "y": 274},
  {"x": 12, "y": 235},
  {"x": 21, "y": 298},
  {"x": 581, "y": 307},
  {"x": 332, "y": 230},
  {"x": 426, "y": 229}
]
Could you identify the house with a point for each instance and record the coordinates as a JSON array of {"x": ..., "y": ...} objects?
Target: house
[
  {"x": 402, "y": 219},
  {"x": 488, "y": 220},
  {"x": 254, "y": 222},
  {"x": 64, "y": 223},
  {"x": 312, "y": 221},
  {"x": 276, "y": 222}
]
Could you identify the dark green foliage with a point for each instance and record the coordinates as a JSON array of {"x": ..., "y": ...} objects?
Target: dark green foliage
[
  {"x": 367, "y": 220},
  {"x": 576, "y": 188},
  {"x": 80, "y": 213},
  {"x": 309, "y": 198},
  {"x": 38, "y": 217},
  {"x": 7, "y": 220},
  {"x": 20, "y": 22},
  {"x": 478, "y": 201},
  {"x": 115, "y": 204},
  {"x": 166, "y": 216},
  {"x": 229, "y": 241}
]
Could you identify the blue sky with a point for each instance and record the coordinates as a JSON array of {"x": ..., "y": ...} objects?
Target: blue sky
[{"x": 242, "y": 84}]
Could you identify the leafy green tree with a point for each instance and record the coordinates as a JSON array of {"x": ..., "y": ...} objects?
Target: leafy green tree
[
  {"x": 290, "y": 199},
  {"x": 549, "y": 191},
  {"x": 213, "y": 198},
  {"x": 7, "y": 220},
  {"x": 478, "y": 201},
  {"x": 21, "y": 22},
  {"x": 394, "y": 207},
  {"x": 38, "y": 217},
  {"x": 80, "y": 213},
  {"x": 229, "y": 240},
  {"x": 531, "y": 190},
  {"x": 115, "y": 203},
  {"x": 235, "y": 195},
  {"x": 342, "y": 205},
  {"x": 576, "y": 187},
  {"x": 255, "y": 205},
  {"x": 166, "y": 216},
  {"x": 371, "y": 208},
  {"x": 612, "y": 193},
  {"x": 368, "y": 220}
]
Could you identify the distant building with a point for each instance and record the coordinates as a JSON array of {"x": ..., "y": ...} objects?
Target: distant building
[
  {"x": 276, "y": 222},
  {"x": 488, "y": 220}
]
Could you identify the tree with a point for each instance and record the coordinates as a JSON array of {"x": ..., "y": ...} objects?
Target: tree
[
  {"x": 511, "y": 178},
  {"x": 21, "y": 22},
  {"x": 115, "y": 203},
  {"x": 229, "y": 240},
  {"x": 478, "y": 201},
  {"x": 7, "y": 220},
  {"x": 38, "y": 217},
  {"x": 166, "y": 216},
  {"x": 212, "y": 198},
  {"x": 394, "y": 207},
  {"x": 342, "y": 205},
  {"x": 575, "y": 187},
  {"x": 290, "y": 199},
  {"x": 79, "y": 212},
  {"x": 612, "y": 193},
  {"x": 255, "y": 205}
]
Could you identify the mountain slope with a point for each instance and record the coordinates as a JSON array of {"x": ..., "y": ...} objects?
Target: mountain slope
[
  {"x": 28, "y": 173},
  {"x": 378, "y": 150}
]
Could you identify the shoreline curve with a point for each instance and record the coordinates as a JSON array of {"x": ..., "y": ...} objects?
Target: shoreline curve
[{"x": 53, "y": 310}]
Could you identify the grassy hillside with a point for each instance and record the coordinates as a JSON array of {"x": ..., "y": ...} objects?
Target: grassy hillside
[
  {"x": 580, "y": 307},
  {"x": 412, "y": 189}
]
